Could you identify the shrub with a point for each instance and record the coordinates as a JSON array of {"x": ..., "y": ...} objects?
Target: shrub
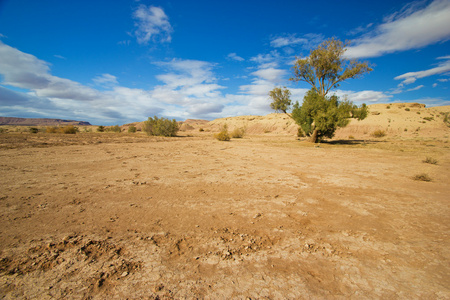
[
  {"x": 69, "y": 129},
  {"x": 3, "y": 130},
  {"x": 33, "y": 130},
  {"x": 388, "y": 107},
  {"x": 300, "y": 132},
  {"x": 422, "y": 177},
  {"x": 428, "y": 118},
  {"x": 51, "y": 129},
  {"x": 223, "y": 134},
  {"x": 161, "y": 127},
  {"x": 201, "y": 130},
  {"x": 430, "y": 160},
  {"x": 115, "y": 128},
  {"x": 446, "y": 119},
  {"x": 238, "y": 133},
  {"x": 351, "y": 137},
  {"x": 132, "y": 129},
  {"x": 379, "y": 133},
  {"x": 100, "y": 128},
  {"x": 407, "y": 109}
]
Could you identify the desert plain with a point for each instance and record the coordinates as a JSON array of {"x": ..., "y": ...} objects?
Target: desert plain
[{"x": 267, "y": 216}]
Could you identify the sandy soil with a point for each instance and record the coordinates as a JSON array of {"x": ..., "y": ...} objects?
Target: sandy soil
[{"x": 110, "y": 216}]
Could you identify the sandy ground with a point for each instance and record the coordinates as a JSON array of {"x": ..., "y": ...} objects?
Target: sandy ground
[{"x": 113, "y": 216}]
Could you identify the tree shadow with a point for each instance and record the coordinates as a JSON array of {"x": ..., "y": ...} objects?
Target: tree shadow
[{"x": 350, "y": 142}]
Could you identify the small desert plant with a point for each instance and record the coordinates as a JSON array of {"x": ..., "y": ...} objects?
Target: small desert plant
[
  {"x": 446, "y": 119},
  {"x": 428, "y": 118},
  {"x": 161, "y": 127},
  {"x": 223, "y": 134},
  {"x": 422, "y": 177},
  {"x": 379, "y": 133},
  {"x": 351, "y": 137},
  {"x": 388, "y": 107},
  {"x": 69, "y": 129},
  {"x": 201, "y": 130},
  {"x": 115, "y": 128},
  {"x": 3, "y": 130},
  {"x": 101, "y": 128},
  {"x": 407, "y": 109},
  {"x": 238, "y": 133},
  {"x": 33, "y": 130},
  {"x": 132, "y": 129},
  {"x": 418, "y": 112},
  {"x": 430, "y": 160},
  {"x": 300, "y": 132},
  {"x": 52, "y": 129}
]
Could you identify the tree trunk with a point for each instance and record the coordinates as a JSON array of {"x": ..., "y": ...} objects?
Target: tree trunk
[{"x": 313, "y": 138}]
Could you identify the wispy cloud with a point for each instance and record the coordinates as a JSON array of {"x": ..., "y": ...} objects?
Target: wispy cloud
[
  {"x": 306, "y": 41},
  {"x": 415, "y": 88},
  {"x": 105, "y": 80},
  {"x": 234, "y": 56},
  {"x": 411, "y": 77},
  {"x": 152, "y": 24},
  {"x": 59, "y": 56},
  {"x": 411, "y": 28}
]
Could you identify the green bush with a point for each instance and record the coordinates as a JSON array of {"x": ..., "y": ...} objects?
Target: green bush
[
  {"x": 3, "y": 130},
  {"x": 161, "y": 127},
  {"x": 223, "y": 134},
  {"x": 428, "y": 118},
  {"x": 132, "y": 129},
  {"x": 33, "y": 130},
  {"x": 52, "y": 129},
  {"x": 115, "y": 128},
  {"x": 238, "y": 133},
  {"x": 379, "y": 133},
  {"x": 407, "y": 109},
  {"x": 100, "y": 128}
]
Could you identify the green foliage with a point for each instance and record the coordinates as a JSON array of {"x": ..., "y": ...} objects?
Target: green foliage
[
  {"x": 3, "y": 130},
  {"x": 238, "y": 133},
  {"x": 161, "y": 127},
  {"x": 428, "y": 118},
  {"x": 223, "y": 134},
  {"x": 326, "y": 67},
  {"x": 446, "y": 119},
  {"x": 430, "y": 160},
  {"x": 33, "y": 130},
  {"x": 422, "y": 177},
  {"x": 320, "y": 116},
  {"x": 132, "y": 129},
  {"x": 280, "y": 99},
  {"x": 407, "y": 109},
  {"x": 52, "y": 129},
  {"x": 201, "y": 130},
  {"x": 100, "y": 128},
  {"x": 115, "y": 128},
  {"x": 379, "y": 133}
]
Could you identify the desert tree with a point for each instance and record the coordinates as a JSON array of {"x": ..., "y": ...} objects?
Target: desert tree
[{"x": 324, "y": 69}]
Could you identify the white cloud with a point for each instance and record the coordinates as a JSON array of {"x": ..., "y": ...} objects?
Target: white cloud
[
  {"x": 443, "y": 79},
  {"x": 411, "y": 77},
  {"x": 234, "y": 56},
  {"x": 435, "y": 85},
  {"x": 152, "y": 24},
  {"x": 367, "y": 96},
  {"x": 416, "y": 88},
  {"x": 410, "y": 29},
  {"x": 307, "y": 41},
  {"x": 287, "y": 41}
]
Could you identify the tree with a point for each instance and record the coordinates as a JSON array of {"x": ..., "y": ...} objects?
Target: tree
[
  {"x": 326, "y": 67},
  {"x": 281, "y": 99},
  {"x": 320, "y": 116}
]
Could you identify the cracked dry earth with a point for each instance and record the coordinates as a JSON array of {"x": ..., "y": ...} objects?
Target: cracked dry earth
[{"x": 256, "y": 218}]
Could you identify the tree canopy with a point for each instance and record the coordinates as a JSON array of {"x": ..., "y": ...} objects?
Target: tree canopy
[{"x": 326, "y": 67}]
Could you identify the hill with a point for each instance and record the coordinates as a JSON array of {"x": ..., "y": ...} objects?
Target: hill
[
  {"x": 396, "y": 119},
  {"x": 39, "y": 122}
]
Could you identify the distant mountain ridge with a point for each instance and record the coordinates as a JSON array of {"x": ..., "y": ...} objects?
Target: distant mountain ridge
[{"x": 39, "y": 122}]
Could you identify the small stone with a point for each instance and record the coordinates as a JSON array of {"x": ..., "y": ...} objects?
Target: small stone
[{"x": 124, "y": 274}]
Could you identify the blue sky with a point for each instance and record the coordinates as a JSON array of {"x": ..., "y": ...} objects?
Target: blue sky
[{"x": 115, "y": 62}]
